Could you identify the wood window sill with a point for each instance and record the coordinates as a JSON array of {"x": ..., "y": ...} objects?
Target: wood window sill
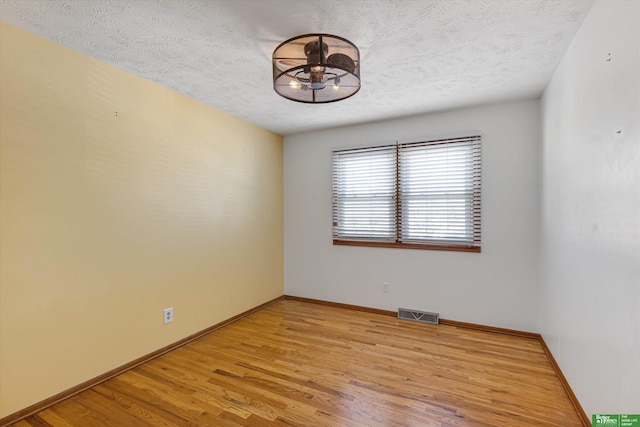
[{"x": 454, "y": 248}]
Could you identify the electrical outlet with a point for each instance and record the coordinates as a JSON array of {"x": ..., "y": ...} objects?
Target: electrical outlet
[
  {"x": 168, "y": 315},
  {"x": 385, "y": 287}
]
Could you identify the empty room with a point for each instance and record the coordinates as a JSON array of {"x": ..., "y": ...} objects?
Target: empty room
[{"x": 320, "y": 213}]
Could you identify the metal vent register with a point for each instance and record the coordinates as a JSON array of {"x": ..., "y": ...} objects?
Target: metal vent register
[{"x": 418, "y": 316}]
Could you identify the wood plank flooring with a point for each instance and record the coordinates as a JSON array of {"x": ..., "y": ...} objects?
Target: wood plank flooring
[{"x": 301, "y": 364}]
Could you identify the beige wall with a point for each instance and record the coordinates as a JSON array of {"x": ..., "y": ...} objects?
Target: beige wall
[{"x": 120, "y": 198}]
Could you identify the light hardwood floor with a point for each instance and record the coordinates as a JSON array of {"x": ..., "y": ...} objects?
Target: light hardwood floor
[{"x": 300, "y": 364}]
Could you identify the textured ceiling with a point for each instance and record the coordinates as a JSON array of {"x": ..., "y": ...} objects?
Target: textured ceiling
[{"x": 417, "y": 56}]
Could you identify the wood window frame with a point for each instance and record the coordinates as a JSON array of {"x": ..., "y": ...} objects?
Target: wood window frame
[{"x": 442, "y": 245}]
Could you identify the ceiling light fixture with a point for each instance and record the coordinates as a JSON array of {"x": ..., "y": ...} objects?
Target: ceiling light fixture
[{"x": 316, "y": 68}]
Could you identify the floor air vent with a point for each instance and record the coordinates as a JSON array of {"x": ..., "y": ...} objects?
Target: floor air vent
[{"x": 418, "y": 316}]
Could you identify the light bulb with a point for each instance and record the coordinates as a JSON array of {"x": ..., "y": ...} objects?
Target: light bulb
[
  {"x": 336, "y": 83},
  {"x": 295, "y": 84}
]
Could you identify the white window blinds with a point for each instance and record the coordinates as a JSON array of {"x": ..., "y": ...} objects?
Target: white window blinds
[
  {"x": 364, "y": 189},
  {"x": 439, "y": 198},
  {"x": 417, "y": 193}
]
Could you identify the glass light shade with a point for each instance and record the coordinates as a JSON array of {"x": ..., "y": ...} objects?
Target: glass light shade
[{"x": 316, "y": 68}]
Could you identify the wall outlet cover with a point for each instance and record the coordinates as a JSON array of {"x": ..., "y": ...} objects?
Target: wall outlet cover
[{"x": 168, "y": 315}]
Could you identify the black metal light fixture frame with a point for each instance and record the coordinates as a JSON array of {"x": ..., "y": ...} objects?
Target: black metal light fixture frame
[{"x": 316, "y": 68}]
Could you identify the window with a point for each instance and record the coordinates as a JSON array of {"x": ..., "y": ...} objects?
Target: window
[{"x": 414, "y": 195}]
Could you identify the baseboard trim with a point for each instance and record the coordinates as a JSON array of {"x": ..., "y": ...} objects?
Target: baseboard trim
[
  {"x": 522, "y": 334},
  {"x": 44, "y": 404},
  {"x": 342, "y": 305},
  {"x": 492, "y": 329},
  {"x": 455, "y": 323},
  {"x": 586, "y": 422}
]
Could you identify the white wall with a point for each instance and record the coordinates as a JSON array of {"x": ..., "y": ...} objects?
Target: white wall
[
  {"x": 590, "y": 210},
  {"x": 497, "y": 287}
]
